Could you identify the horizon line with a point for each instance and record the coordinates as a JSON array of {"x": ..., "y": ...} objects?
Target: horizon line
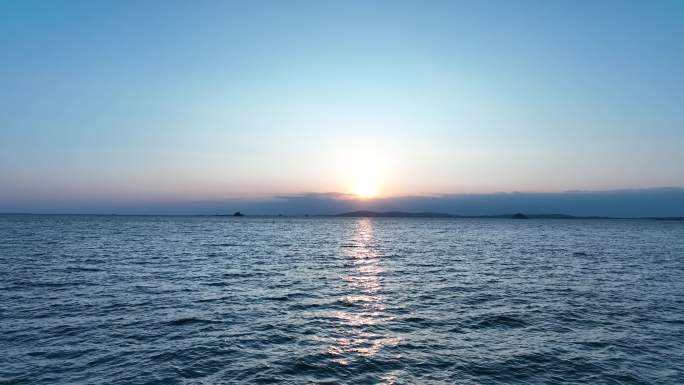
[{"x": 366, "y": 214}]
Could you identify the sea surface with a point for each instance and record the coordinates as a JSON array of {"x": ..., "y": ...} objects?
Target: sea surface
[{"x": 223, "y": 300}]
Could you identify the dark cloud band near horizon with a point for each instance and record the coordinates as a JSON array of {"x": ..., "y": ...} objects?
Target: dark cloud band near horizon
[{"x": 654, "y": 202}]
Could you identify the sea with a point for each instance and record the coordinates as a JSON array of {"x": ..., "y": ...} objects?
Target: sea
[{"x": 327, "y": 300}]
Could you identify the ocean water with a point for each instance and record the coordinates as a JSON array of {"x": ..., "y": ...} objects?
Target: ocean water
[{"x": 222, "y": 300}]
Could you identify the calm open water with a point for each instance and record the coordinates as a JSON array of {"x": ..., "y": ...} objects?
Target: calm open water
[{"x": 206, "y": 300}]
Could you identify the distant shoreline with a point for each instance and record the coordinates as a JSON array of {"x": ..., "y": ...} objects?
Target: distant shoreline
[
  {"x": 402, "y": 214},
  {"x": 364, "y": 214}
]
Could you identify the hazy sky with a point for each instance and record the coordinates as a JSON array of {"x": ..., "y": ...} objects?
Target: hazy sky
[{"x": 190, "y": 100}]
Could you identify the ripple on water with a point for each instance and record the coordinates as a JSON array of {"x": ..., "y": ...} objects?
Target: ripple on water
[{"x": 210, "y": 300}]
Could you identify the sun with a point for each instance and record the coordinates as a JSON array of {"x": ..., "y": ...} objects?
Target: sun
[
  {"x": 363, "y": 173},
  {"x": 365, "y": 187}
]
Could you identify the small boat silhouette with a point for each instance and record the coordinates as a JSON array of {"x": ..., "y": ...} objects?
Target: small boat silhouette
[{"x": 238, "y": 214}]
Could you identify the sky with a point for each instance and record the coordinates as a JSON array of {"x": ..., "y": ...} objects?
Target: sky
[{"x": 106, "y": 105}]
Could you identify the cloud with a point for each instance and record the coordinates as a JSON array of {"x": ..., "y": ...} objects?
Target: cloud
[
  {"x": 315, "y": 195},
  {"x": 615, "y": 203}
]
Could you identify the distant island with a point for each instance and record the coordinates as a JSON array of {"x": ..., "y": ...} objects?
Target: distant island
[{"x": 235, "y": 214}]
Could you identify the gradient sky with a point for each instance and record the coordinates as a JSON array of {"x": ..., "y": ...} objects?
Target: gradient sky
[{"x": 159, "y": 100}]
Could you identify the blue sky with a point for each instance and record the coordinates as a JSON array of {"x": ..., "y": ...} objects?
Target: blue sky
[{"x": 160, "y": 101}]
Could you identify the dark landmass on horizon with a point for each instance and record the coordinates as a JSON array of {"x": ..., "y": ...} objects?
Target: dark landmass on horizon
[{"x": 404, "y": 214}]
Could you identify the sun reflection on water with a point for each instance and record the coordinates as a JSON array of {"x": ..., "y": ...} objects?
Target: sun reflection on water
[{"x": 361, "y": 330}]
